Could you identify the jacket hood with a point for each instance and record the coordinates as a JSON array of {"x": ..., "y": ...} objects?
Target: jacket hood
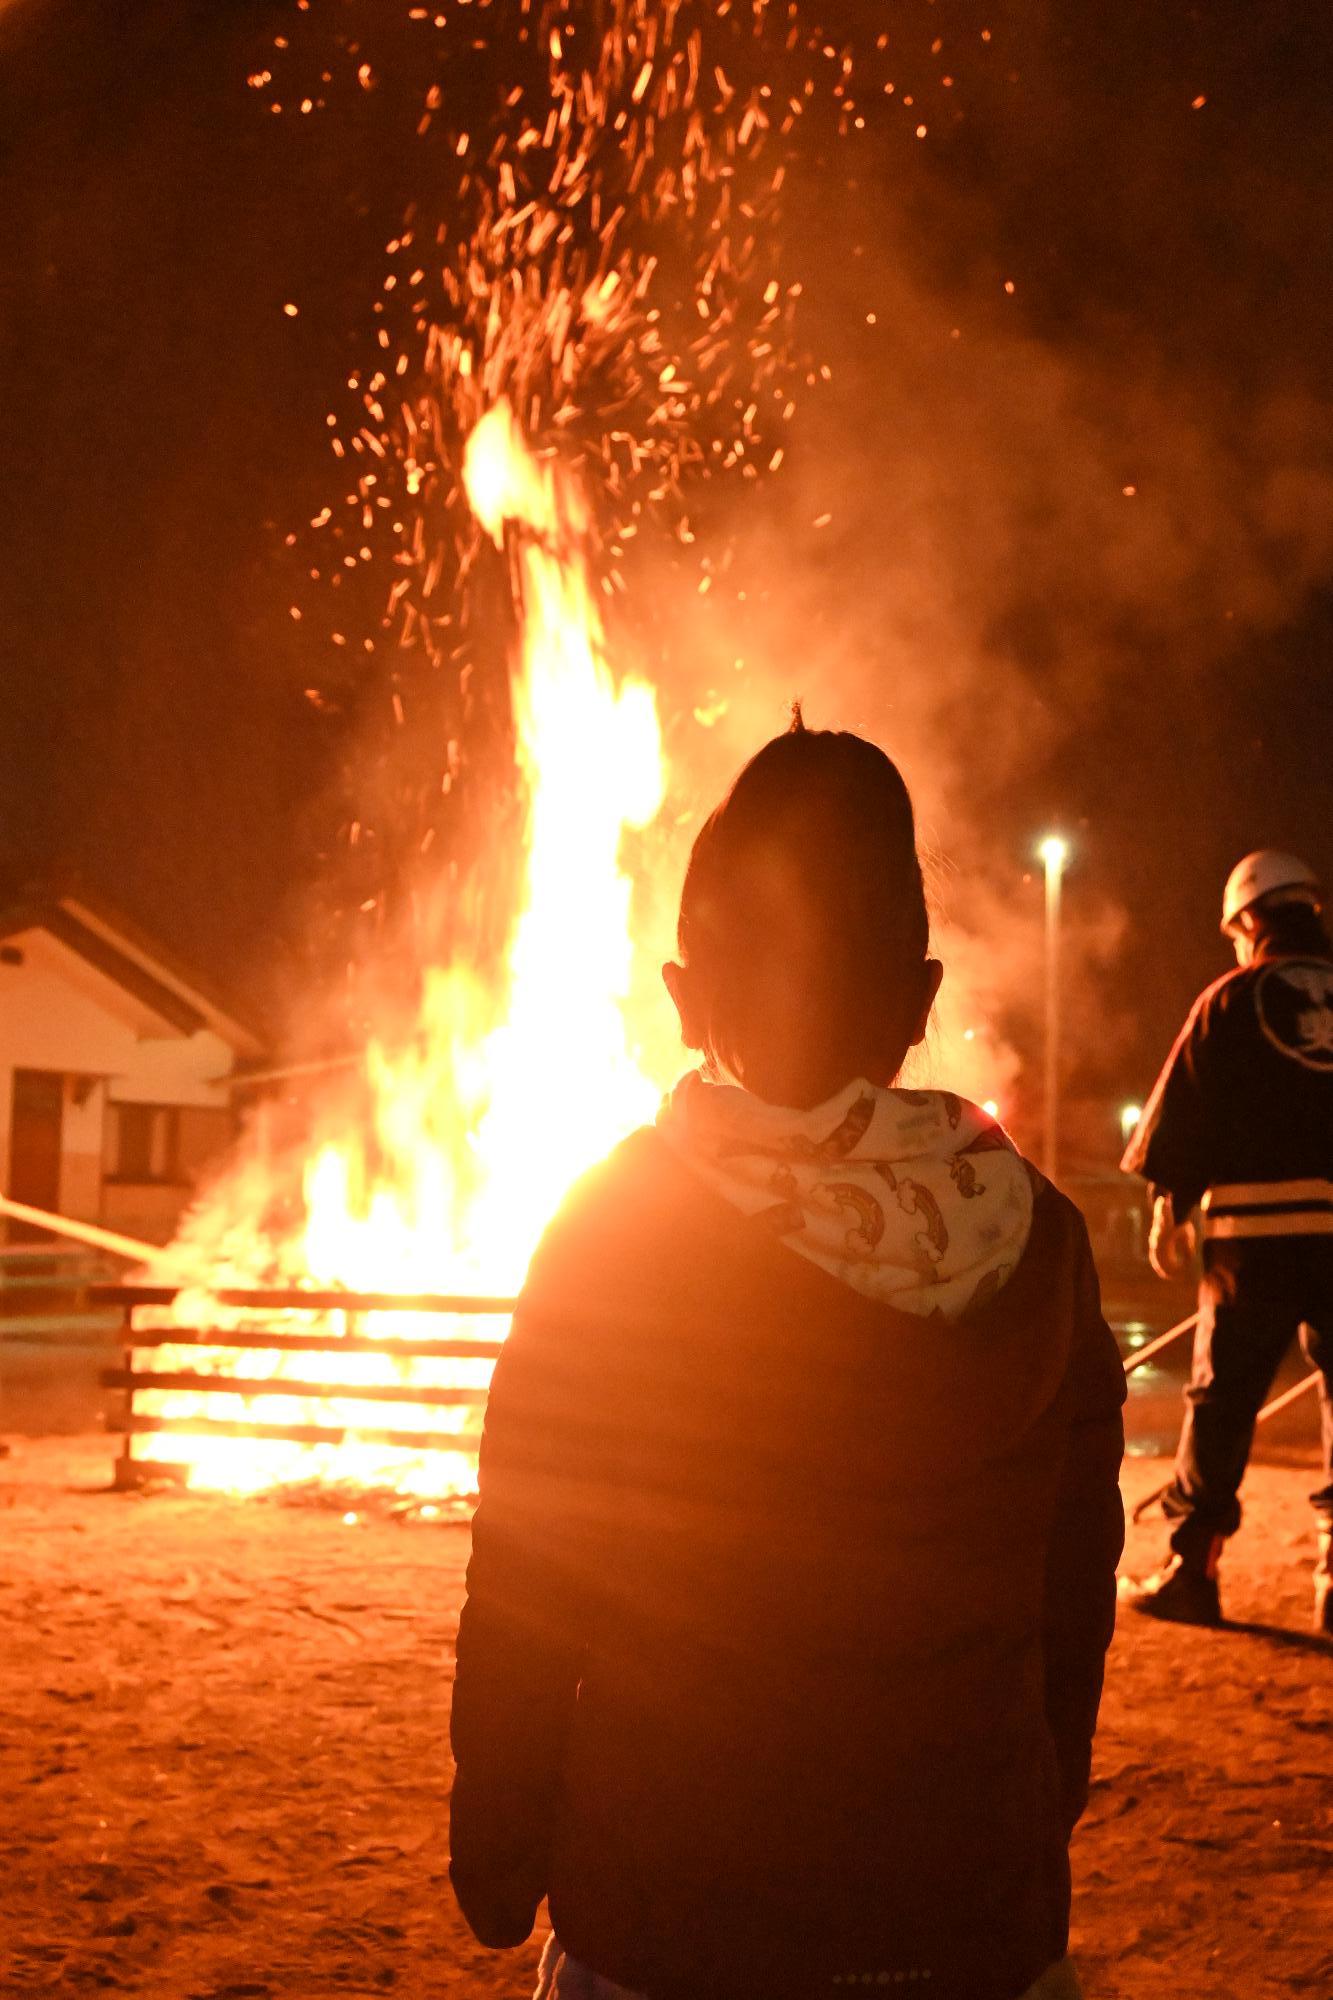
[{"x": 913, "y": 1197}]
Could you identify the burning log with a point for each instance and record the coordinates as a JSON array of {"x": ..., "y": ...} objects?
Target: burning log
[
  {"x": 330, "y": 1394},
  {"x": 445, "y": 1167},
  {"x": 309, "y": 1299}
]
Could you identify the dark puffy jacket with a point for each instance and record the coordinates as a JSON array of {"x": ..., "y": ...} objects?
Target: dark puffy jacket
[{"x": 786, "y": 1611}]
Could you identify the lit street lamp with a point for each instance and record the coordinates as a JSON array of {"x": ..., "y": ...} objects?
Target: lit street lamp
[
  {"x": 1054, "y": 853},
  {"x": 1130, "y": 1115}
]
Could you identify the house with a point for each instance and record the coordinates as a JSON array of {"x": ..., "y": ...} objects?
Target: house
[{"x": 116, "y": 1068}]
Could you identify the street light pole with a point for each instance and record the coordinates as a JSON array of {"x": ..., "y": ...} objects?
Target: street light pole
[{"x": 1054, "y": 853}]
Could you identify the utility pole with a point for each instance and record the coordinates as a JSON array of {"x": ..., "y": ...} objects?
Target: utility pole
[{"x": 1054, "y": 853}]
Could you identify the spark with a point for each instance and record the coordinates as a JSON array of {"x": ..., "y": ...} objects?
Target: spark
[
  {"x": 607, "y": 253},
  {"x": 596, "y": 266}
]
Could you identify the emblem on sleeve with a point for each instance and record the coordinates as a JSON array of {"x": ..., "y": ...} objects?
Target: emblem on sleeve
[{"x": 1294, "y": 1002}]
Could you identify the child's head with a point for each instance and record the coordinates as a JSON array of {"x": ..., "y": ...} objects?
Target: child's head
[{"x": 803, "y": 934}]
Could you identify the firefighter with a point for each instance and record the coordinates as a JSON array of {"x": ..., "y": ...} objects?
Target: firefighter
[{"x": 1240, "y": 1124}]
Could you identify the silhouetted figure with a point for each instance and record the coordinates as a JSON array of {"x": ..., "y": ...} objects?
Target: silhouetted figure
[
  {"x": 793, "y": 1569},
  {"x": 1241, "y": 1121}
]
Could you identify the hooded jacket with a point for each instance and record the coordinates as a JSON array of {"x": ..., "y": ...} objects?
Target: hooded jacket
[{"x": 787, "y": 1610}]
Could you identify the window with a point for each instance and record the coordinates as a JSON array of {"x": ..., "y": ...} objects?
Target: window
[{"x": 145, "y": 1142}]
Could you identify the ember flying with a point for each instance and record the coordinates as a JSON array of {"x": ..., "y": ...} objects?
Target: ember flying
[
  {"x": 601, "y": 253},
  {"x": 514, "y": 1082},
  {"x": 443, "y": 443}
]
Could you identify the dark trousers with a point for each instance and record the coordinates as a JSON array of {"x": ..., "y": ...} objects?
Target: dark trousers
[{"x": 1253, "y": 1300}]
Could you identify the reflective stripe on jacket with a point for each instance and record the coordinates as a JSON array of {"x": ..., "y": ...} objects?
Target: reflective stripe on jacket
[{"x": 1269, "y": 1208}]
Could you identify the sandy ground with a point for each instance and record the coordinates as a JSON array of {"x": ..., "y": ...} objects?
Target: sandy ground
[{"x": 224, "y": 1772}]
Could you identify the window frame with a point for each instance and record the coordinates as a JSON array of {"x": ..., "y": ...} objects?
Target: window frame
[{"x": 171, "y": 1174}]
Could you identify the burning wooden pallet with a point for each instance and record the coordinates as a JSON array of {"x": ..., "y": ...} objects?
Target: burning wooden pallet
[{"x": 223, "y": 1349}]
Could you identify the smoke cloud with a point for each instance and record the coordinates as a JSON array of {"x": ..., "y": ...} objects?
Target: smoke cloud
[{"x": 990, "y": 549}]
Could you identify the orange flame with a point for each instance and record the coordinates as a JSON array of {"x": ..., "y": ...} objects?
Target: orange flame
[{"x": 511, "y": 1089}]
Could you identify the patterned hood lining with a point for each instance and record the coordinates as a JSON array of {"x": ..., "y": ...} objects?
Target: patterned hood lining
[{"x": 913, "y": 1197}]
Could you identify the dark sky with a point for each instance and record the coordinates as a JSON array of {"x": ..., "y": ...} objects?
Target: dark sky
[{"x": 163, "y": 429}]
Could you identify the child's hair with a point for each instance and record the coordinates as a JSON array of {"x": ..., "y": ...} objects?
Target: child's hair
[{"x": 803, "y": 922}]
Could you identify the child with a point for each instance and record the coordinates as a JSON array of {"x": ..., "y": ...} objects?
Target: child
[{"x": 793, "y": 1568}]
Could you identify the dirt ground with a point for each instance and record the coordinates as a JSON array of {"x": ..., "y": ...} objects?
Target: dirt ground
[{"x": 224, "y": 1773}]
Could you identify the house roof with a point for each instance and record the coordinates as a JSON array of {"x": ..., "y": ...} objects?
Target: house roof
[{"x": 138, "y": 964}]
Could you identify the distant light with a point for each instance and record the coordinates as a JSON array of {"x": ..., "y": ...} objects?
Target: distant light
[
  {"x": 991, "y": 1108},
  {"x": 969, "y": 1034},
  {"x": 350, "y": 1520},
  {"x": 291, "y": 310},
  {"x": 1130, "y": 1115},
  {"x": 1054, "y": 852}
]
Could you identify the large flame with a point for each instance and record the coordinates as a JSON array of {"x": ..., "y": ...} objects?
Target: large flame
[{"x": 512, "y": 1086}]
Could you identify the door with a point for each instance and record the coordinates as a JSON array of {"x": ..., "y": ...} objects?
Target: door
[{"x": 34, "y": 1146}]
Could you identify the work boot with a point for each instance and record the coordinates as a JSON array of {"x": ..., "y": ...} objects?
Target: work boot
[
  {"x": 1183, "y": 1593},
  {"x": 1323, "y": 1584}
]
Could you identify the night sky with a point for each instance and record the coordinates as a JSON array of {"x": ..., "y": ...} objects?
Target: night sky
[{"x": 1162, "y": 690}]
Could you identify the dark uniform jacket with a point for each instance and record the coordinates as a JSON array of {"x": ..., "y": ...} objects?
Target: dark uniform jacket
[
  {"x": 1242, "y": 1113},
  {"x": 786, "y": 1612}
]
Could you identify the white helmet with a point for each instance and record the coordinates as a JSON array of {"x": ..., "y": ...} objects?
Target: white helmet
[{"x": 1264, "y": 873}]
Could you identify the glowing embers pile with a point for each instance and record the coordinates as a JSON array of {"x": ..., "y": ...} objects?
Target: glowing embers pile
[{"x": 512, "y": 1085}]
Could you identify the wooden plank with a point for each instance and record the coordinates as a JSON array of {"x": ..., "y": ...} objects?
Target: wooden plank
[
  {"x": 467, "y": 1442},
  {"x": 126, "y": 1296},
  {"x": 270, "y": 1299},
  {"x": 194, "y": 1382},
  {"x": 273, "y": 1298},
  {"x": 279, "y": 1341}
]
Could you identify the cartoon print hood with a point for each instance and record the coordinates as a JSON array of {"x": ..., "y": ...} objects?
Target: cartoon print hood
[{"x": 915, "y": 1198}]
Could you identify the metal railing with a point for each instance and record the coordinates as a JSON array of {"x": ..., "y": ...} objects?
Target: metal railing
[{"x": 46, "y": 1295}]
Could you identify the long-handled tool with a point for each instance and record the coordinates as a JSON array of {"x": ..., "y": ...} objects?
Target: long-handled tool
[
  {"x": 92, "y": 1233},
  {"x": 1297, "y": 1390},
  {"x": 1155, "y": 1347}
]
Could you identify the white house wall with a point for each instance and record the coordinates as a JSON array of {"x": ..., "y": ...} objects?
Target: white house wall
[
  {"x": 81, "y": 1118},
  {"x": 189, "y": 1071},
  {"x": 48, "y": 1022},
  {"x": 45, "y": 954},
  {"x": 58, "y": 1014}
]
